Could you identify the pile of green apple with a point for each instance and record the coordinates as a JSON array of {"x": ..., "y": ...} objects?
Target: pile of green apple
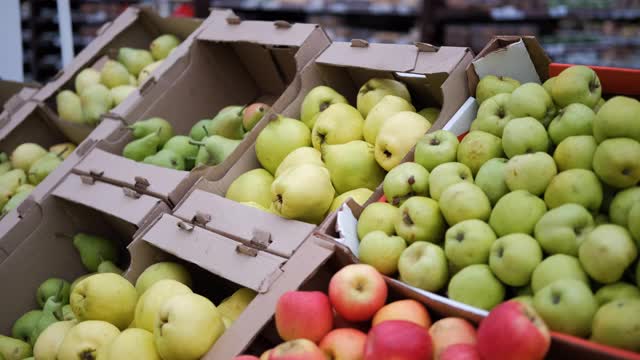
[
  {"x": 27, "y": 166},
  {"x": 335, "y": 151},
  {"x": 101, "y": 315},
  {"x": 209, "y": 143},
  {"x": 97, "y": 92},
  {"x": 540, "y": 201}
]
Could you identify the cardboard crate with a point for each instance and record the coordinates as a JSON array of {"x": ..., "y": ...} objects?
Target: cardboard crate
[
  {"x": 230, "y": 62},
  {"x": 42, "y": 249},
  {"x": 13, "y": 95}
]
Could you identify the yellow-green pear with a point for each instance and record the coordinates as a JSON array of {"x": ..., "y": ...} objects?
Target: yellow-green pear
[
  {"x": 360, "y": 196},
  {"x": 375, "y": 89},
  {"x": 252, "y": 186},
  {"x": 231, "y": 307},
  {"x": 48, "y": 343},
  {"x": 146, "y": 72},
  {"x": 26, "y": 155},
  {"x": 352, "y": 165},
  {"x": 5, "y": 164},
  {"x": 397, "y": 136},
  {"x": 12, "y": 180},
  {"x": 69, "y": 106},
  {"x": 384, "y": 109},
  {"x": 158, "y": 125},
  {"x": 150, "y": 303},
  {"x": 140, "y": 149},
  {"x": 96, "y": 100},
  {"x": 303, "y": 193},
  {"x": 119, "y": 93},
  {"x": 43, "y": 167},
  {"x": 86, "y": 77},
  {"x": 214, "y": 150},
  {"x": 130, "y": 344},
  {"x": 430, "y": 113},
  {"x": 162, "y": 45},
  {"x": 162, "y": 271},
  {"x": 113, "y": 74},
  {"x": 271, "y": 146},
  {"x": 338, "y": 124},
  {"x": 63, "y": 149},
  {"x": 316, "y": 101},
  {"x": 14, "y": 349},
  {"x": 134, "y": 59},
  {"x": 299, "y": 156},
  {"x": 5, "y": 195},
  {"x": 85, "y": 340}
]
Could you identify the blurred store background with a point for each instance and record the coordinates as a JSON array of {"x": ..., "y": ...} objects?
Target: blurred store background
[{"x": 594, "y": 32}]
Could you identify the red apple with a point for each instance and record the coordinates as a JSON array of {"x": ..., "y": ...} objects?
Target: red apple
[
  {"x": 246, "y": 357},
  {"x": 450, "y": 331},
  {"x": 460, "y": 352},
  {"x": 344, "y": 344},
  {"x": 303, "y": 315},
  {"x": 513, "y": 330},
  {"x": 357, "y": 292},
  {"x": 398, "y": 340},
  {"x": 300, "y": 349},
  {"x": 409, "y": 310}
]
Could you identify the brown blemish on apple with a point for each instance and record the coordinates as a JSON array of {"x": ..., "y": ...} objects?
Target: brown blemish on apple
[
  {"x": 460, "y": 236},
  {"x": 387, "y": 153},
  {"x": 434, "y": 141},
  {"x": 501, "y": 112},
  {"x": 407, "y": 219},
  {"x": 500, "y": 251},
  {"x": 555, "y": 298}
]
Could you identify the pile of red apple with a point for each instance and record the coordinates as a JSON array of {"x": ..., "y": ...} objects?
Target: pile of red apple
[{"x": 317, "y": 326}]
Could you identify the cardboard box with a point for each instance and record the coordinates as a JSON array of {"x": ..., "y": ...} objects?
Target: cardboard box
[
  {"x": 13, "y": 95},
  {"x": 43, "y": 249},
  {"x": 230, "y": 62}
]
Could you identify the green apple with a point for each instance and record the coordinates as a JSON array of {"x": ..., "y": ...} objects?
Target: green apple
[
  {"x": 531, "y": 172},
  {"x": 48, "y": 343},
  {"x": 375, "y": 89},
  {"x": 575, "y": 152},
  {"x": 562, "y": 229},
  {"x": 131, "y": 344},
  {"x": 618, "y": 117},
  {"x": 397, "y": 136},
  {"x": 617, "y": 291},
  {"x": 422, "y": 258},
  {"x": 271, "y": 149},
  {"x": 404, "y": 181},
  {"x": 492, "y": 85},
  {"x": 468, "y": 242},
  {"x": 606, "y": 252},
  {"x": 438, "y": 147},
  {"x": 476, "y": 285},
  {"x": 557, "y": 267},
  {"x": 577, "y": 84},
  {"x": 463, "y": 201},
  {"x": 187, "y": 327},
  {"x": 149, "y": 304},
  {"x": 445, "y": 175},
  {"x": 634, "y": 222},
  {"x": 492, "y": 115},
  {"x": 360, "y": 196},
  {"x": 548, "y": 85},
  {"x": 254, "y": 185},
  {"x": 567, "y": 306},
  {"x": 621, "y": 205},
  {"x": 523, "y": 136},
  {"x": 388, "y": 106},
  {"x": 107, "y": 297},
  {"x": 352, "y": 165},
  {"x": 53, "y": 287},
  {"x": 299, "y": 156},
  {"x": 160, "y": 271},
  {"x": 531, "y": 100},
  {"x": 618, "y": 324},
  {"x": 378, "y": 216},
  {"x": 430, "y": 113},
  {"x": 577, "y": 186},
  {"x": 576, "y": 119},
  {"x": 617, "y": 162},
  {"x": 381, "y": 251},
  {"x": 316, "y": 101},
  {"x": 517, "y": 212},
  {"x": 477, "y": 148},
  {"x": 86, "y": 340},
  {"x": 514, "y": 257},
  {"x": 338, "y": 124},
  {"x": 420, "y": 220},
  {"x": 490, "y": 178}
]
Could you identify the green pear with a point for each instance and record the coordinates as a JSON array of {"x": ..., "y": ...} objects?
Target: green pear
[
  {"x": 445, "y": 175},
  {"x": 492, "y": 115},
  {"x": 338, "y": 124},
  {"x": 616, "y": 291},
  {"x": 523, "y": 136},
  {"x": 376, "y": 243},
  {"x": 477, "y": 148},
  {"x": 316, "y": 101},
  {"x": 577, "y": 186},
  {"x": 575, "y": 152},
  {"x": 517, "y": 212},
  {"x": 162, "y": 127},
  {"x": 85, "y": 78},
  {"x": 109, "y": 267},
  {"x": 490, "y": 178},
  {"x": 378, "y": 216},
  {"x": 420, "y": 220},
  {"x": 385, "y": 108},
  {"x": 634, "y": 223},
  {"x": 14, "y": 349},
  {"x": 352, "y": 165},
  {"x": 360, "y": 196},
  {"x": 11, "y": 180},
  {"x": 252, "y": 186},
  {"x": 576, "y": 84},
  {"x": 25, "y": 187},
  {"x": 430, "y": 113},
  {"x": 69, "y": 106},
  {"x": 531, "y": 172},
  {"x": 606, "y": 253},
  {"x": 531, "y": 100},
  {"x": 404, "y": 181},
  {"x": 199, "y": 130},
  {"x": 166, "y": 158},
  {"x": 618, "y": 117},
  {"x": 43, "y": 167},
  {"x": 24, "y": 326},
  {"x": 162, "y": 45},
  {"x": 228, "y": 123},
  {"x": 120, "y": 92},
  {"x": 616, "y": 324},
  {"x": 303, "y": 193},
  {"x": 435, "y": 148},
  {"x": 15, "y": 201},
  {"x": 468, "y": 242},
  {"x": 299, "y": 156},
  {"x": 375, "y": 89},
  {"x": 397, "y": 136},
  {"x": 139, "y": 149},
  {"x": 617, "y": 162},
  {"x": 63, "y": 149},
  {"x": 271, "y": 148},
  {"x": 576, "y": 119},
  {"x": 134, "y": 59},
  {"x": 113, "y": 74},
  {"x": 566, "y": 306},
  {"x": 514, "y": 257},
  {"x": 464, "y": 201},
  {"x": 26, "y": 155},
  {"x": 55, "y": 287},
  {"x": 51, "y": 310},
  {"x": 95, "y": 249},
  {"x": 252, "y": 115},
  {"x": 548, "y": 85},
  {"x": 557, "y": 267},
  {"x": 96, "y": 100},
  {"x": 147, "y": 70},
  {"x": 562, "y": 229},
  {"x": 214, "y": 150},
  {"x": 621, "y": 205},
  {"x": 492, "y": 85},
  {"x": 476, "y": 285},
  {"x": 181, "y": 145}
]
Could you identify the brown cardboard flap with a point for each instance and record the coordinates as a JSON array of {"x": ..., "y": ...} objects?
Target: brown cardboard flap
[
  {"x": 133, "y": 208},
  {"x": 242, "y": 222},
  {"x": 217, "y": 254},
  {"x": 257, "y": 32},
  {"x": 383, "y": 57},
  {"x": 444, "y": 60}
]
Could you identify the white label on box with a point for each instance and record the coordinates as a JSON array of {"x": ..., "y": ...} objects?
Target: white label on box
[
  {"x": 513, "y": 61},
  {"x": 461, "y": 121},
  {"x": 347, "y": 227}
]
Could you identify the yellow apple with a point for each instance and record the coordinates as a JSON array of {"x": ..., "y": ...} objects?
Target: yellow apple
[
  {"x": 131, "y": 344},
  {"x": 48, "y": 343},
  {"x": 159, "y": 271},
  {"x": 231, "y": 307},
  {"x": 85, "y": 340},
  {"x": 152, "y": 300}
]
